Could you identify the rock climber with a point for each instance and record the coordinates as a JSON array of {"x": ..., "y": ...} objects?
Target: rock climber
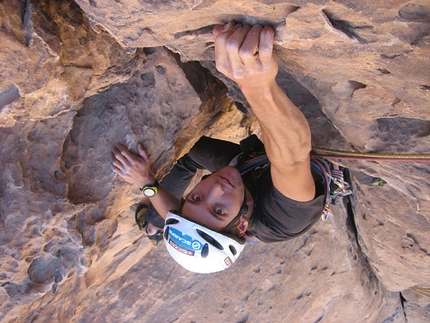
[{"x": 270, "y": 193}]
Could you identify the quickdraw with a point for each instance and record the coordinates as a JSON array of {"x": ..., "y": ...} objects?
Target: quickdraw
[{"x": 336, "y": 185}]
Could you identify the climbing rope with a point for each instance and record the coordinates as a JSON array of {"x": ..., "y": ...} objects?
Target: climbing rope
[
  {"x": 421, "y": 290},
  {"x": 331, "y": 153}
]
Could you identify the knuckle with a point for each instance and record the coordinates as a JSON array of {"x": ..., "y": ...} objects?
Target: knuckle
[
  {"x": 265, "y": 49},
  {"x": 222, "y": 37},
  {"x": 245, "y": 53},
  {"x": 231, "y": 44}
]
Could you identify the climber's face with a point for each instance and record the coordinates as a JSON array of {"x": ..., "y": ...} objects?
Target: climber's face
[{"x": 216, "y": 200}]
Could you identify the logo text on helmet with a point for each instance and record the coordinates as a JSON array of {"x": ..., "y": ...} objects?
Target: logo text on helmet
[
  {"x": 184, "y": 251},
  {"x": 183, "y": 240}
]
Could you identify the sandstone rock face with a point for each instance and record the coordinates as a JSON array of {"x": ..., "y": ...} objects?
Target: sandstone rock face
[{"x": 79, "y": 77}]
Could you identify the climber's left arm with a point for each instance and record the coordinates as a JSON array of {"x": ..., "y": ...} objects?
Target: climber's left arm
[{"x": 136, "y": 170}]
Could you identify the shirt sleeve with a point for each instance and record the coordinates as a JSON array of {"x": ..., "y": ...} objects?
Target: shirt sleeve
[{"x": 278, "y": 218}]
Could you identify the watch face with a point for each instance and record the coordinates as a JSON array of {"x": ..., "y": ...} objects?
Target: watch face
[{"x": 149, "y": 192}]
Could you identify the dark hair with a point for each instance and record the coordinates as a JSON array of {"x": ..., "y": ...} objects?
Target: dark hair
[{"x": 233, "y": 227}]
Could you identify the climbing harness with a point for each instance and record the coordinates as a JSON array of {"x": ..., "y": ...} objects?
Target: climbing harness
[{"x": 336, "y": 187}]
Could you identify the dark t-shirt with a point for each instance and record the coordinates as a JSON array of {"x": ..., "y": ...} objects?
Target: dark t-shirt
[{"x": 275, "y": 216}]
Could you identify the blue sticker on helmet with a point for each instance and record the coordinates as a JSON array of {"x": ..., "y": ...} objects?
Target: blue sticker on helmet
[{"x": 184, "y": 241}]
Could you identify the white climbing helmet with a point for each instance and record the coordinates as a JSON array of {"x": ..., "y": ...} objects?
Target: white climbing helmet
[{"x": 197, "y": 248}]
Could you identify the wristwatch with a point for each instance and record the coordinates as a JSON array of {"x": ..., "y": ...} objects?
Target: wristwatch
[{"x": 150, "y": 190}]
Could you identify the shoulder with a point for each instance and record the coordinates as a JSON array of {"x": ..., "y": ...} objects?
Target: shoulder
[{"x": 276, "y": 217}]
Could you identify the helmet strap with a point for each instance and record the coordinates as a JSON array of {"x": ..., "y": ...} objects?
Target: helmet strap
[{"x": 243, "y": 210}]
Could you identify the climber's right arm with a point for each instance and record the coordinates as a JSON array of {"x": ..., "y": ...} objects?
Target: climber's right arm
[{"x": 244, "y": 54}]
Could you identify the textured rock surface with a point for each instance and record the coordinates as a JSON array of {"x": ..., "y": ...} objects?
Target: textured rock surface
[{"x": 74, "y": 84}]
